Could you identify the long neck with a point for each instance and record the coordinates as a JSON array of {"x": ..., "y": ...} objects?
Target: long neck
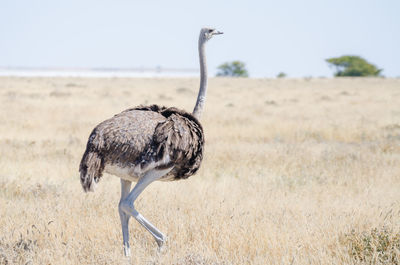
[{"x": 201, "y": 97}]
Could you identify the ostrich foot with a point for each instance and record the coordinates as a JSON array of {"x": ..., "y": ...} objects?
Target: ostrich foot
[
  {"x": 161, "y": 243},
  {"x": 127, "y": 250}
]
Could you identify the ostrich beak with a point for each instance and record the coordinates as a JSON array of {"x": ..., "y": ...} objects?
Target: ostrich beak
[{"x": 217, "y": 33}]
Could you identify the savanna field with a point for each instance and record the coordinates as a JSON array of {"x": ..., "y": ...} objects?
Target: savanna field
[{"x": 296, "y": 171}]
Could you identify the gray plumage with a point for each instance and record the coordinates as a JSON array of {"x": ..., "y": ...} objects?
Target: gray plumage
[{"x": 140, "y": 137}]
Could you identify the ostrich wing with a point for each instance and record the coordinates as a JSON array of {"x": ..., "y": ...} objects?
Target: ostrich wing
[
  {"x": 181, "y": 137},
  {"x": 125, "y": 137},
  {"x": 144, "y": 136}
]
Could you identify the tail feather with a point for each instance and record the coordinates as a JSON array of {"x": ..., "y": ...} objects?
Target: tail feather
[{"x": 91, "y": 169}]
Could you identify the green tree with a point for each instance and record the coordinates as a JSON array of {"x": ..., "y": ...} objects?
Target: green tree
[
  {"x": 281, "y": 75},
  {"x": 350, "y": 65},
  {"x": 235, "y": 69}
]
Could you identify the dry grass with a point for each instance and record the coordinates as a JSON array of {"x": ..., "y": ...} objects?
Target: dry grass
[{"x": 295, "y": 172}]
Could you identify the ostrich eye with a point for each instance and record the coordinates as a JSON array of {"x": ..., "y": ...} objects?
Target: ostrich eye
[{"x": 210, "y": 30}]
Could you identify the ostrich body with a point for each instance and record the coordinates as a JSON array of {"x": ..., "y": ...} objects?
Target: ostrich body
[{"x": 145, "y": 144}]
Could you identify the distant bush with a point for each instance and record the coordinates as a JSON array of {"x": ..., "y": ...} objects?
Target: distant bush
[
  {"x": 281, "y": 75},
  {"x": 350, "y": 65},
  {"x": 235, "y": 69}
]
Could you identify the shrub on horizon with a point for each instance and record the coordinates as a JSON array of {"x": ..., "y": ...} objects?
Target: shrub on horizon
[
  {"x": 234, "y": 69},
  {"x": 350, "y": 65}
]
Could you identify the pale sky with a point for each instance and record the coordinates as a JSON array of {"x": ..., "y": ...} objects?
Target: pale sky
[{"x": 269, "y": 36}]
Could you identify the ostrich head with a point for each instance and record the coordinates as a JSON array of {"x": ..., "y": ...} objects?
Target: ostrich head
[{"x": 207, "y": 33}]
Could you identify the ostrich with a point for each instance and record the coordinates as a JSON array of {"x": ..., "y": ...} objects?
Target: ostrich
[{"x": 145, "y": 144}]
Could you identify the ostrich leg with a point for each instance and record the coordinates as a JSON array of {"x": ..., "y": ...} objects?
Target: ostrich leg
[
  {"x": 125, "y": 189},
  {"x": 127, "y": 207}
]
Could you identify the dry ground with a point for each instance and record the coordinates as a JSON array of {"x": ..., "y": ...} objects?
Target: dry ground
[{"x": 296, "y": 171}]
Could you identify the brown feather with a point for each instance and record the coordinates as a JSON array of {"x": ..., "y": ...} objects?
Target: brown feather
[{"x": 141, "y": 136}]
